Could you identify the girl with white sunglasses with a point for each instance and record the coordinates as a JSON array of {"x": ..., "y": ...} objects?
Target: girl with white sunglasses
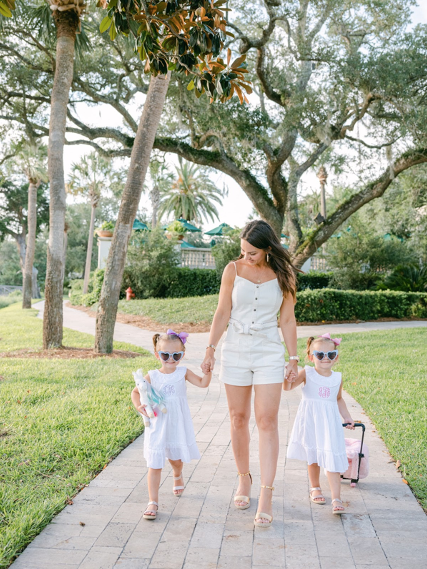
[
  {"x": 317, "y": 436},
  {"x": 171, "y": 434}
]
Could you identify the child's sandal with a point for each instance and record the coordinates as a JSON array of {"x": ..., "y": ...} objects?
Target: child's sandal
[
  {"x": 151, "y": 514},
  {"x": 320, "y": 499},
  {"x": 245, "y": 499},
  {"x": 262, "y": 515},
  {"x": 176, "y": 488},
  {"x": 340, "y": 509}
]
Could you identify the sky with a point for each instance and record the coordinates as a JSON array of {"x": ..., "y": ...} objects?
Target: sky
[{"x": 236, "y": 207}]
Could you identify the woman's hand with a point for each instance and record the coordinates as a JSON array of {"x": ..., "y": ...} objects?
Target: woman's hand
[
  {"x": 209, "y": 361},
  {"x": 291, "y": 371}
]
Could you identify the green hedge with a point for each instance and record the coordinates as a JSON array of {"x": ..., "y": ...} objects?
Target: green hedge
[
  {"x": 314, "y": 280},
  {"x": 77, "y": 298},
  {"x": 178, "y": 283},
  {"x": 331, "y": 304}
]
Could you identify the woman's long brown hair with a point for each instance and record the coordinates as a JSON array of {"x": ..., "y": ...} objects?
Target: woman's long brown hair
[{"x": 261, "y": 235}]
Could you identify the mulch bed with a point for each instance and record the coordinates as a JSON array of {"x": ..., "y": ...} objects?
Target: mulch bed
[{"x": 67, "y": 353}]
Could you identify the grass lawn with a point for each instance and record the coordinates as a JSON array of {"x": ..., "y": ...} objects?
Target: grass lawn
[
  {"x": 166, "y": 310},
  {"x": 61, "y": 421},
  {"x": 385, "y": 373}
]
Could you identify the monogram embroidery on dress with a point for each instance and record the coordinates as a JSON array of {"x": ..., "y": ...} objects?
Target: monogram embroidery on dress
[
  {"x": 324, "y": 392},
  {"x": 168, "y": 389}
]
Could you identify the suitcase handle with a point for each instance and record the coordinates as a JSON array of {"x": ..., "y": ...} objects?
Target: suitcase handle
[
  {"x": 356, "y": 425},
  {"x": 361, "y": 446}
]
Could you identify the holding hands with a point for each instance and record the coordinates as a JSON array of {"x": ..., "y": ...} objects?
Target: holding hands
[{"x": 208, "y": 363}]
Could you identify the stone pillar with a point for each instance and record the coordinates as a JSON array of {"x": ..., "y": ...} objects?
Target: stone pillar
[{"x": 104, "y": 244}]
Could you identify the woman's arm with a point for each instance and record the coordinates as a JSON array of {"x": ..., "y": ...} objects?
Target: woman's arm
[
  {"x": 198, "y": 381},
  {"x": 222, "y": 315},
  {"x": 345, "y": 414},
  {"x": 289, "y": 385},
  {"x": 288, "y": 326}
]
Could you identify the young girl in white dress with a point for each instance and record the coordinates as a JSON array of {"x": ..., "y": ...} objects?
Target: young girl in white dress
[
  {"x": 317, "y": 436},
  {"x": 170, "y": 435}
]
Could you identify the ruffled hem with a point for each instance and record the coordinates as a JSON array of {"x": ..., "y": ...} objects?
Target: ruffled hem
[
  {"x": 156, "y": 458},
  {"x": 326, "y": 459}
]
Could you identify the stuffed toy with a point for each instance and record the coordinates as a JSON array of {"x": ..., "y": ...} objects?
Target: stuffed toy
[{"x": 148, "y": 397}]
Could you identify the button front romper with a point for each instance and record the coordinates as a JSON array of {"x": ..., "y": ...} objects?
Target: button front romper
[{"x": 252, "y": 352}]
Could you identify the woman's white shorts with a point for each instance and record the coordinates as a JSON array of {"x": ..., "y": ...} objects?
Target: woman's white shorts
[{"x": 252, "y": 359}]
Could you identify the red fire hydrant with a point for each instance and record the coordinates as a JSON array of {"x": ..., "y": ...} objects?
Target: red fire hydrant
[{"x": 129, "y": 294}]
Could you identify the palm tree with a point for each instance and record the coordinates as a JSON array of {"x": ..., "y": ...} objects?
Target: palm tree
[
  {"x": 67, "y": 21},
  {"x": 92, "y": 175},
  {"x": 139, "y": 162},
  {"x": 191, "y": 195},
  {"x": 161, "y": 179},
  {"x": 31, "y": 159}
]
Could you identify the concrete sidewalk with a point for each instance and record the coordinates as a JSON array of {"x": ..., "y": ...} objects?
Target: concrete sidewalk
[{"x": 384, "y": 525}]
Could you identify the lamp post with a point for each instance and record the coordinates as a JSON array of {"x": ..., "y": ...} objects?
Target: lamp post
[{"x": 323, "y": 176}]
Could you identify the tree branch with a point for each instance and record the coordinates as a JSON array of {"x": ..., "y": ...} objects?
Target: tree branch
[{"x": 371, "y": 191}]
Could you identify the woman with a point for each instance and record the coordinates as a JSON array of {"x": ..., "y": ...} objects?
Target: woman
[{"x": 253, "y": 291}]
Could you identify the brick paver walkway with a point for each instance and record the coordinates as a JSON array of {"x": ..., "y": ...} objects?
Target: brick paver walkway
[{"x": 104, "y": 529}]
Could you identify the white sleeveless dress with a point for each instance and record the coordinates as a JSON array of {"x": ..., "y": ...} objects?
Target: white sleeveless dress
[
  {"x": 252, "y": 352},
  {"x": 171, "y": 434},
  {"x": 317, "y": 435}
]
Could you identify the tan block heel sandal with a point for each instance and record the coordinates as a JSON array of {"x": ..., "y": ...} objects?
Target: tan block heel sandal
[
  {"x": 151, "y": 514},
  {"x": 263, "y": 515},
  {"x": 245, "y": 499}
]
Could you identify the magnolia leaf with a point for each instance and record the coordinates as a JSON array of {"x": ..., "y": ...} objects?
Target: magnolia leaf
[
  {"x": 239, "y": 93},
  {"x": 113, "y": 32},
  {"x": 228, "y": 56},
  {"x": 229, "y": 34},
  {"x": 172, "y": 66},
  {"x": 4, "y": 10},
  {"x": 247, "y": 88},
  {"x": 238, "y": 62},
  {"x": 198, "y": 93},
  {"x": 105, "y": 24},
  {"x": 190, "y": 86}
]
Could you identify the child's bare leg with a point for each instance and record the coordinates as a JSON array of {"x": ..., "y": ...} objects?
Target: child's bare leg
[
  {"x": 314, "y": 477},
  {"x": 153, "y": 480},
  {"x": 177, "y": 466},
  {"x": 334, "y": 479}
]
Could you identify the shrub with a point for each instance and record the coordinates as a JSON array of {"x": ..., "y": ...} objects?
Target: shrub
[
  {"x": 77, "y": 298},
  {"x": 360, "y": 261},
  {"x": 314, "y": 280},
  {"x": 330, "y": 304},
  {"x": 228, "y": 249},
  {"x": 409, "y": 278}
]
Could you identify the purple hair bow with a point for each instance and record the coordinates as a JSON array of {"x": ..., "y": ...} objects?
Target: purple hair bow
[
  {"x": 327, "y": 336},
  {"x": 182, "y": 335}
]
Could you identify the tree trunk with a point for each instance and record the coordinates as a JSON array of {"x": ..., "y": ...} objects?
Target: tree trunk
[
  {"x": 89, "y": 249},
  {"x": 155, "y": 202},
  {"x": 66, "y": 24},
  {"x": 21, "y": 239},
  {"x": 27, "y": 288},
  {"x": 34, "y": 284},
  {"x": 140, "y": 159}
]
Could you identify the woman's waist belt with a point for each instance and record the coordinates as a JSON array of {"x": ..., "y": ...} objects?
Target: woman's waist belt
[{"x": 254, "y": 329}]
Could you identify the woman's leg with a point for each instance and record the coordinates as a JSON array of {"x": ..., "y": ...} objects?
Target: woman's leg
[
  {"x": 177, "y": 467},
  {"x": 267, "y": 401},
  {"x": 239, "y": 405},
  {"x": 153, "y": 480}
]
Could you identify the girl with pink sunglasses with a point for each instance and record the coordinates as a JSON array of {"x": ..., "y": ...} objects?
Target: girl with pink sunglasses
[
  {"x": 171, "y": 433},
  {"x": 317, "y": 436}
]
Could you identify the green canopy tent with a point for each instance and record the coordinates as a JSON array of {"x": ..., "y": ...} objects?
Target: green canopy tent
[
  {"x": 140, "y": 226},
  {"x": 188, "y": 226},
  {"x": 218, "y": 231}
]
